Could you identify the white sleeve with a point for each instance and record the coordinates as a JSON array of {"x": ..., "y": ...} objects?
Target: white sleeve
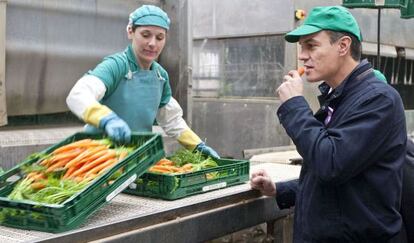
[
  {"x": 170, "y": 118},
  {"x": 87, "y": 91}
]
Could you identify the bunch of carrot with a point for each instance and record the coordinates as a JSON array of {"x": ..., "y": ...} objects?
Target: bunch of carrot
[
  {"x": 56, "y": 176},
  {"x": 81, "y": 160},
  {"x": 166, "y": 166},
  {"x": 35, "y": 179},
  {"x": 183, "y": 161}
]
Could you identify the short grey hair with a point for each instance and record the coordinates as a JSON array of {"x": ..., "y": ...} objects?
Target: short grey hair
[{"x": 356, "y": 47}]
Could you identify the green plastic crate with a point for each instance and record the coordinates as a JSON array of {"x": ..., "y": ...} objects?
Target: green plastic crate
[
  {"x": 407, "y": 9},
  {"x": 371, "y": 3},
  {"x": 75, "y": 210},
  {"x": 228, "y": 173}
]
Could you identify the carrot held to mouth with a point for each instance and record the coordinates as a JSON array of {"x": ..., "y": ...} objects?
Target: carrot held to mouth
[{"x": 301, "y": 71}]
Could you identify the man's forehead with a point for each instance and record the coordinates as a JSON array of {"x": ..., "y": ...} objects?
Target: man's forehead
[{"x": 316, "y": 37}]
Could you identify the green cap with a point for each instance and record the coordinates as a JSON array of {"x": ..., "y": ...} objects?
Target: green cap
[
  {"x": 335, "y": 18},
  {"x": 149, "y": 15},
  {"x": 380, "y": 75}
]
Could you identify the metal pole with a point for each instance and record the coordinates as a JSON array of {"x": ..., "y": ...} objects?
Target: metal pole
[
  {"x": 378, "y": 40},
  {"x": 3, "y": 111},
  {"x": 189, "y": 59}
]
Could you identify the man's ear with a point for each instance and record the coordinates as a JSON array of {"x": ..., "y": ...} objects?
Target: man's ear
[{"x": 344, "y": 45}]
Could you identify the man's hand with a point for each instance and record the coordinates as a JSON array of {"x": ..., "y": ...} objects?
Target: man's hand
[
  {"x": 261, "y": 181},
  {"x": 292, "y": 86}
]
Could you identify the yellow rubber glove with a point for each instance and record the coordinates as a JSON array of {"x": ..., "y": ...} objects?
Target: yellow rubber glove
[
  {"x": 189, "y": 139},
  {"x": 94, "y": 113},
  {"x": 192, "y": 142}
]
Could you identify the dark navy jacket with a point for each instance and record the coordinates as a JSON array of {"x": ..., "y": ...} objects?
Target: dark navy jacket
[
  {"x": 407, "y": 199},
  {"x": 349, "y": 189}
]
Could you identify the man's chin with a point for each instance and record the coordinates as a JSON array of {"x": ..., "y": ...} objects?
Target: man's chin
[{"x": 311, "y": 79}]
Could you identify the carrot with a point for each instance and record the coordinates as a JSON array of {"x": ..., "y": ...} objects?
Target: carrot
[
  {"x": 89, "y": 177},
  {"x": 59, "y": 164},
  {"x": 165, "y": 162},
  {"x": 78, "y": 179},
  {"x": 38, "y": 177},
  {"x": 46, "y": 161},
  {"x": 301, "y": 71},
  {"x": 31, "y": 174},
  {"x": 187, "y": 167},
  {"x": 87, "y": 166},
  {"x": 122, "y": 155},
  {"x": 71, "y": 170},
  {"x": 210, "y": 176},
  {"x": 101, "y": 167},
  {"x": 159, "y": 171},
  {"x": 67, "y": 155},
  {"x": 73, "y": 145},
  {"x": 158, "y": 168},
  {"x": 173, "y": 168},
  {"x": 94, "y": 156},
  {"x": 161, "y": 168},
  {"x": 85, "y": 154},
  {"x": 37, "y": 185}
]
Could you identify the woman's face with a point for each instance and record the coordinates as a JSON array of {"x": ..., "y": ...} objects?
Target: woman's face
[{"x": 147, "y": 42}]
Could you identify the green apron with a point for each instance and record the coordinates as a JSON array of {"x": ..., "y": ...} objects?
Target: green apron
[{"x": 136, "y": 99}]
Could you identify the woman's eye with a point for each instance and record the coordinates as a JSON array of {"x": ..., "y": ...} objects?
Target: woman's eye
[{"x": 145, "y": 34}]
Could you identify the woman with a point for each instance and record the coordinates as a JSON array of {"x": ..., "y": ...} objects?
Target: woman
[{"x": 130, "y": 90}]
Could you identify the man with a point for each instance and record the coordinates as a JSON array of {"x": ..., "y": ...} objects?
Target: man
[{"x": 353, "y": 148}]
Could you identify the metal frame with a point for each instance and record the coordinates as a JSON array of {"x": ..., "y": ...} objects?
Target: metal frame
[
  {"x": 190, "y": 223},
  {"x": 3, "y": 110}
]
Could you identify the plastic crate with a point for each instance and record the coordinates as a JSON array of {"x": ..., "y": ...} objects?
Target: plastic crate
[
  {"x": 372, "y": 3},
  {"x": 228, "y": 173},
  {"x": 407, "y": 9},
  {"x": 75, "y": 210}
]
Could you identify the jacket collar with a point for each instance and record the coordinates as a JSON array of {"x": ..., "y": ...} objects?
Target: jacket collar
[{"x": 349, "y": 82}]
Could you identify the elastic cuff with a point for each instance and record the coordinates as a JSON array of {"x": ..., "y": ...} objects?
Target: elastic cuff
[
  {"x": 286, "y": 194},
  {"x": 105, "y": 119},
  {"x": 189, "y": 139},
  {"x": 94, "y": 113}
]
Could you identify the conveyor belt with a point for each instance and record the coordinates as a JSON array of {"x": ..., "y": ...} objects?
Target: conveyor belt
[{"x": 127, "y": 213}]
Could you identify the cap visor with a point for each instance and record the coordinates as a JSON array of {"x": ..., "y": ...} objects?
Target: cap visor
[{"x": 302, "y": 30}]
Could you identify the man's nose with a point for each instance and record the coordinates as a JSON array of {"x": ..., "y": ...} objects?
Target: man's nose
[{"x": 303, "y": 55}]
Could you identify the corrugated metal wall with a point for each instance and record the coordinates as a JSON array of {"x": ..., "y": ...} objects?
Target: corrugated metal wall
[
  {"x": 50, "y": 44},
  {"x": 230, "y": 35},
  {"x": 3, "y": 112},
  {"x": 238, "y": 124}
]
